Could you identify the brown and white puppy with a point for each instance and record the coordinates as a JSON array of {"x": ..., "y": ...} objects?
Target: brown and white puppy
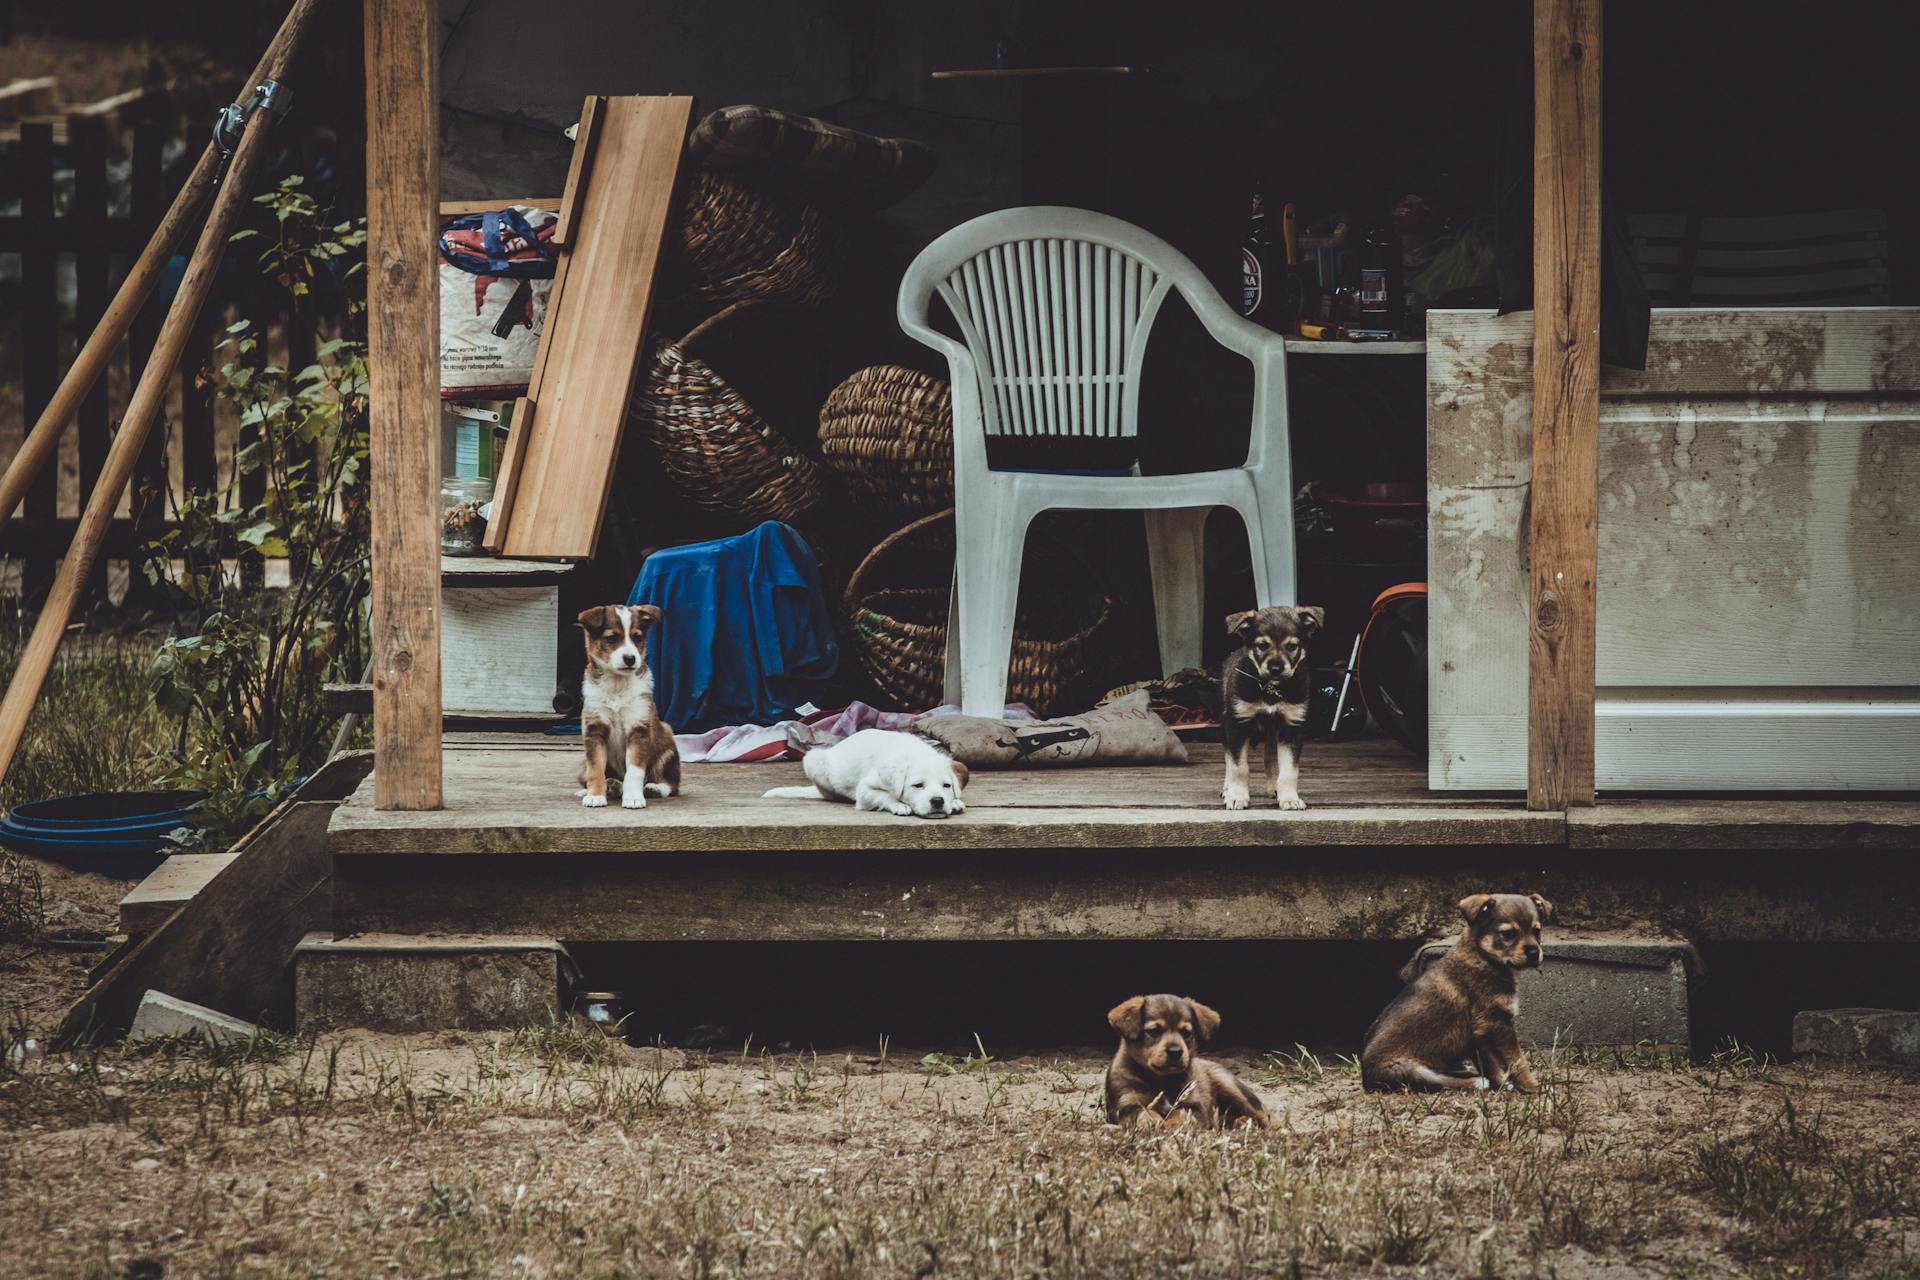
[
  {"x": 1158, "y": 1076},
  {"x": 1452, "y": 1027},
  {"x": 1264, "y": 689},
  {"x": 630, "y": 750}
]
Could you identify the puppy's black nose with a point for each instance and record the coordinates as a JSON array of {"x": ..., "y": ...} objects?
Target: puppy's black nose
[
  {"x": 627, "y": 660},
  {"x": 1533, "y": 954},
  {"x": 1175, "y": 1052},
  {"x": 936, "y": 803}
]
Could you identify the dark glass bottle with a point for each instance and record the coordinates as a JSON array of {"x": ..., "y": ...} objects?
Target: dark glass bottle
[
  {"x": 1377, "y": 300},
  {"x": 1260, "y": 266}
]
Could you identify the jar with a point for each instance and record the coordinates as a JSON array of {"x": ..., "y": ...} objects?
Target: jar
[
  {"x": 465, "y": 505},
  {"x": 604, "y": 1011}
]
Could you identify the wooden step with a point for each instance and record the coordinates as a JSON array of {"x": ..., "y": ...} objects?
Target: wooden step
[{"x": 175, "y": 881}]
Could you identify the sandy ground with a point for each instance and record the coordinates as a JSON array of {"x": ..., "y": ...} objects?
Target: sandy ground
[{"x": 555, "y": 1152}]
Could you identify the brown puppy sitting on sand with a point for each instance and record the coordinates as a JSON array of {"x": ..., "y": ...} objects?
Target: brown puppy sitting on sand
[
  {"x": 1457, "y": 1017},
  {"x": 1158, "y": 1076}
]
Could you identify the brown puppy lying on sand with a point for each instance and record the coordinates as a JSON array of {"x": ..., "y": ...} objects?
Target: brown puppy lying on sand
[
  {"x": 1458, "y": 1016},
  {"x": 1158, "y": 1076}
]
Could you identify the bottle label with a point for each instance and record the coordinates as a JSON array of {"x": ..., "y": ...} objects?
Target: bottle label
[
  {"x": 1250, "y": 283},
  {"x": 1373, "y": 289}
]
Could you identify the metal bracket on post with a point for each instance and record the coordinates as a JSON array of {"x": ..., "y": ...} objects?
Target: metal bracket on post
[{"x": 231, "y": 122}]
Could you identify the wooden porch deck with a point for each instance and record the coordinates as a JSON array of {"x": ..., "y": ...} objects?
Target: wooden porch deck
[{"x": 1121, "y": 853}]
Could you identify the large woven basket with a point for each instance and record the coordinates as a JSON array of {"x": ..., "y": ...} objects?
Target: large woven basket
[
  {"x": 888, "y": 432},
  {"x": 740, "y": 242},
  {"x": 720, "y": 452},
  {"x": 897, "y": 606}
]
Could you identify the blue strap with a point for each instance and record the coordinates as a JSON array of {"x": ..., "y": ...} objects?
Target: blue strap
[{"x": 495, "y": 261}]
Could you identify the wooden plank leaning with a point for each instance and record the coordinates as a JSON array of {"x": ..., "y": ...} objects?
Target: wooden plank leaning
[
  {"x": 228, "y": 947},
  {"x": 44, "y": 440},
  {"x": 578, "y": 170},
  {"x": 592, "y": 346},
  {"x": 144, "y": 406}
]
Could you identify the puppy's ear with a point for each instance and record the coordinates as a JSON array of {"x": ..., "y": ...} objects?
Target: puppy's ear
[
  {"x": 1126, "y": 1017},
  {"x": 960, "y": 774},
  {"x": 1476, "y": 904},
  {"x": 1312, "y": 620},
  {"x": 592, "y": 619},
  {"x": 1240, "y": 625},
  {"x": 1205, "y": 1019},
  {"x": 1544, "y": 907},
  {"x": 645, "y": 615}
]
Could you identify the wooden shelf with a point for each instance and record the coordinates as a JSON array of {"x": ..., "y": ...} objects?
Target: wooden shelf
[
  {"x": 1352, "y": 347},
  {"x": 500, "y": 571},
  {"x": 1029, "y": 73}
]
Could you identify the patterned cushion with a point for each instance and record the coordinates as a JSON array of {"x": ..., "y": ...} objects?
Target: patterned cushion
[{"x": 829, "y": 161}]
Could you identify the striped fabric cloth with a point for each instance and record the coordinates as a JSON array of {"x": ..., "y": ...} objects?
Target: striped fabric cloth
[{"x": 829, "y": 161}]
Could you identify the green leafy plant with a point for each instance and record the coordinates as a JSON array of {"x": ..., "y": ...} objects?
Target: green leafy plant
[{"x": 242, "y": 672}]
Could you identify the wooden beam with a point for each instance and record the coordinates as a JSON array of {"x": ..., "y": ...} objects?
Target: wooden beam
[
  {"x": 403, "y": 328},
  {"x": 1566, "y": 401},
  {"x": 227, "y": 947}
]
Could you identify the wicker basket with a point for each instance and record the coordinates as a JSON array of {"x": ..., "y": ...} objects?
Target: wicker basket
[
  {"x": 738, "y": 242},
  {"x": 1062, "y": 637},
  {"x": 720, "y": 452},
  {"x": 888, "y": 432}
]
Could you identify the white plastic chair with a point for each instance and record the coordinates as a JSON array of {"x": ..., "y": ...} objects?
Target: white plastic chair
[{"x": 1053, "y": 307}]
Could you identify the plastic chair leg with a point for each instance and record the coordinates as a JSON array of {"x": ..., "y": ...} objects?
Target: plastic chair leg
[
  {"x": 1177, "y": 559},
  {"x": 989, "y": 542},
  {"x": 1270, "y": 538},
  {"x": 950, "y": 678}
]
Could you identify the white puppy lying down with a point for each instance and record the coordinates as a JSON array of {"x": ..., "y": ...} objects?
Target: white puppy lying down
[{"x": 884, "y": 771}]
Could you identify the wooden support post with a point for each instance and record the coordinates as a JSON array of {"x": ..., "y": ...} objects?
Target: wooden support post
[
  {"x": 1566, "y": 401},
  {"x": 403, "y": 327}
]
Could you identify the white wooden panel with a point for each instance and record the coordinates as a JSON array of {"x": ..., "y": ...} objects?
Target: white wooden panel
[
  {"x": 1759, "y": 534},
  {"x": 497, "y": 648}
]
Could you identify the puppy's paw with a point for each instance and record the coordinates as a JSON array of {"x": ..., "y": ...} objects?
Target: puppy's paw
[
  {"x": 1291, "y": 800},
  {"x": 899, "y": 810},
  {"x": 1235, "y": 797},
  {"x": 957, "y": 808},
  {"x": 1481, "y": 1082},
  {"x": 634, "y": 799},
  {"x": 659, "y": 790},
  {"x": 593, "y": 801}
]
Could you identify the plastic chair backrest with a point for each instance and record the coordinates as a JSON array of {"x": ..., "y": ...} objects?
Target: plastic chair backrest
[{"x": 1054, "y": 306}]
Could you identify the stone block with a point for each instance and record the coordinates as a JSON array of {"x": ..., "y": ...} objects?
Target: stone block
[
  {"x": 1601, "y": 990},
  {"x": 396, "y": 982},
  {"x": 162, "y": 1015},
  {"x": 1878, "y": 1035}
]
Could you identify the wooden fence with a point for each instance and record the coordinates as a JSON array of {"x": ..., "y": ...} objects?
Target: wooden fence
[{"x": 101, "y": 242}]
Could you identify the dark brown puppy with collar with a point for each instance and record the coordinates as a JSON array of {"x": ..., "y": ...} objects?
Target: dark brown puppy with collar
[
  {"x": 1456, "y": 1019},
  {"x": 1158, "y": 1076},
  {"x": 1264, "y": 689}
]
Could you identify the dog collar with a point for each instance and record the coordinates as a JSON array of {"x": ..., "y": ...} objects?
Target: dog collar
[{"x": 1275, "y": 690}]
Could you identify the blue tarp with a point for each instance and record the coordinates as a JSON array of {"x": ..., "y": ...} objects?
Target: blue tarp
[{"x": 745, "y": 635}]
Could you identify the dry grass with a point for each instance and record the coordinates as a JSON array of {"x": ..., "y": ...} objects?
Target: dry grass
[{"x": 546, "y": 1153}]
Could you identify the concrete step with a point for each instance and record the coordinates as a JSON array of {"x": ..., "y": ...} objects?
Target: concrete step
[
  {"x": 405, "y": 982},
  {"x": 1601, "y": 989},
  {"x": 171, "y": 885},
  {"x": 1875, "y": 1035}
]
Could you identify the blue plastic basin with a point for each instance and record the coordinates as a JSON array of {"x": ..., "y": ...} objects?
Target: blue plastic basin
[{"x": 120, "y": 832}]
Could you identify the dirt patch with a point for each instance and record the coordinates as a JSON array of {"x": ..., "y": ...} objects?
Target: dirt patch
[
  {"x": 547, "y": 1154},
  {"x": 38, "y": 982}
]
